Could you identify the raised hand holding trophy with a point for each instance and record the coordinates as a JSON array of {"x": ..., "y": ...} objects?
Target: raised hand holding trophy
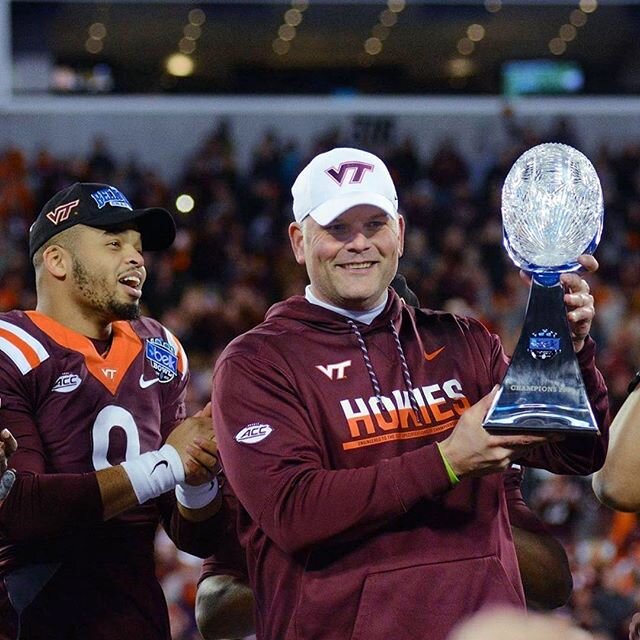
[{"x": 552, "y": 213}]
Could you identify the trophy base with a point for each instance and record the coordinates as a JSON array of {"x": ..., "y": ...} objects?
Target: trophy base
[
  {"x": 505, "y": 420},
  {"x": 543, "y": 390}
]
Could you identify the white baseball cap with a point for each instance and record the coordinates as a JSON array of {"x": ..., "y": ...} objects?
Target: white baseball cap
[{"x": 340, "y": 179}]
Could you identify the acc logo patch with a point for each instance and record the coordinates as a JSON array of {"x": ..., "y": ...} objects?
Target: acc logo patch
[
  {"x": 253, "y": 433},
  {"x": 66, "y": 383},
  {"x": 162, "y": 357}
]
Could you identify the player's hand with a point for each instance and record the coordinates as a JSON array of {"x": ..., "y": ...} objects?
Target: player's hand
[
  {"x": 205, "y": 412},
  {"x": 8, "y": 447},
  {"x": 634, "y": 627},
  {"x": 579, "y": 302},
  {"x": 195, "y": 443},
  {"x": 472, "y": 451}
]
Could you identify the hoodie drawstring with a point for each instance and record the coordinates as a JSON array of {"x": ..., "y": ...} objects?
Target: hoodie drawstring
[
  {"x": 367, "y": 360},
  {"x": 405, "y": 371},
  {"x": 372, "y": 374}
]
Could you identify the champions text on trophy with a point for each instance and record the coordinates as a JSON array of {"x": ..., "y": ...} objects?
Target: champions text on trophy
[{"x": 552, "y": 212}]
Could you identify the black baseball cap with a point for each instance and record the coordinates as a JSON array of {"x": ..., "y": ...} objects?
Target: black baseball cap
[{"x": 100, "y": 206}]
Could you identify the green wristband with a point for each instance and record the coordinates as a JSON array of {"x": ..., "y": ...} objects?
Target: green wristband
[{"x": 453, "y": 478}]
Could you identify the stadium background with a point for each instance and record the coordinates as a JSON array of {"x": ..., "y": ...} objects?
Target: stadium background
[{"x": 85, "y": 95}]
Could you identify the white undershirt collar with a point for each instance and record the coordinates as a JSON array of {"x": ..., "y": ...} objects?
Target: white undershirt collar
[{"x": 366, "y": 317}]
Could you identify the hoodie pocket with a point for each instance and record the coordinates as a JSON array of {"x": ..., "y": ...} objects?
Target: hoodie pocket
[{"x": 424, "y": 602}]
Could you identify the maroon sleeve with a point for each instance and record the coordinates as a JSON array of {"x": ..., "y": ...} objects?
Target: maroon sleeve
[
  {"x": 42, "y": 504},
  {"x": 596, "y": 392},
  {"x": 222, "y": 564},
  {"x": 229, "y": 558},
  {"x": 197, "y": 538},
  {"x": 283, "y": 484},
  {"x": 519, "y": 513}
]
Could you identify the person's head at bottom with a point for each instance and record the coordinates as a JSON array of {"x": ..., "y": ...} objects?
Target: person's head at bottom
[
  {"x": 86, "y": 247},
  {"x": 509, "y": 623},
  {"x": 347, "y": 229}
]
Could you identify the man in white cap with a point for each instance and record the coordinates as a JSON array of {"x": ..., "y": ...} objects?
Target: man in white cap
[{"x": 350, "y": 428}]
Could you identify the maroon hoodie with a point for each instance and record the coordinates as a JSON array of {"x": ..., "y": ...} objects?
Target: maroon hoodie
[{"x": 327, "y": 429}]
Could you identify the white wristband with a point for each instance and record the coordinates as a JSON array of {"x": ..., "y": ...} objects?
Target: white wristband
[
  {"x": 197, "y": 497},
  {"x": 155, "y": 472}
]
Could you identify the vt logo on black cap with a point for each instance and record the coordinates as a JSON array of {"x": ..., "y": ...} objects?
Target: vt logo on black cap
[
  {"x": 101, "y": 206},
  {"x": 61, "y": 213}
]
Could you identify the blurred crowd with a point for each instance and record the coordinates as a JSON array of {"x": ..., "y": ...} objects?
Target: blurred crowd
[{"x": 232, "y": 260}]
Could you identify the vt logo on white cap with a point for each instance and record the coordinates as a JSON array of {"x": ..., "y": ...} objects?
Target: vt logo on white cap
[
  {"x": 357, "y": 174},
  {"x": 339, "y": 179}
]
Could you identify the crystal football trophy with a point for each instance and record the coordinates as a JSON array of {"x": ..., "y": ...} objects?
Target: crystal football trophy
[{"x": 552, "y": 212}]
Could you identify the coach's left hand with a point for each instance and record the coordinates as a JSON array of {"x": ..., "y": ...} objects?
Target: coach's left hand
[{"x": 579, "y": 302}]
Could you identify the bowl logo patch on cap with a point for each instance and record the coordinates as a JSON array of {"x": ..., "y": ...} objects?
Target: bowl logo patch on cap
[{"x": 111, "y": 196}]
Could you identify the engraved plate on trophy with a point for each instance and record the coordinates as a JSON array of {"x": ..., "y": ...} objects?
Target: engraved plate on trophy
[{"x": 552, "y": 213}]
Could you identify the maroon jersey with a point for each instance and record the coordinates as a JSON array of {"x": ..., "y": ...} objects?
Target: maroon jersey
[
  {"x": 65, "y": 573},
  {"x": 351, "y": 527}
]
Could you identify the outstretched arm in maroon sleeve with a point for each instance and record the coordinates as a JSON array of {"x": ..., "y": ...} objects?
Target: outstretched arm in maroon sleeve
[
  {"x": 41, "y": 503},
  {"x": 544, "y": 566},
  {"x": 224, "y": 601}
]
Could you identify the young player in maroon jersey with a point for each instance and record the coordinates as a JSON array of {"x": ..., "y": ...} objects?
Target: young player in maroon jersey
[
  {"x": 94, "y": 395},
  {"x": 350, "y": 427}
]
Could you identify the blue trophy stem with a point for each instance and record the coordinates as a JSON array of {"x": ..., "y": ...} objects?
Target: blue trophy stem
[
  {"x": 546, "y": 279},
  {"x": 543, "y": 390}
]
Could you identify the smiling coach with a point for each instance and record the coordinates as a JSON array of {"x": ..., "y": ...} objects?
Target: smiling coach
[{"x": 372, "y": 506}]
